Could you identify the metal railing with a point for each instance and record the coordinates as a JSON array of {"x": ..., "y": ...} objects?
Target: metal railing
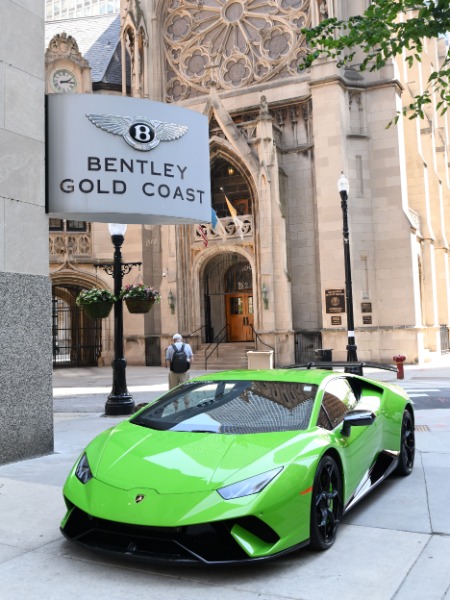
[
  {"x": 306, "y": 344},
  {"x": 152, "y": 351},
  {"x": 257, "y": 339},
  {"x": 445, "y": 339},
  {"x": 192, "y": 333},
  {"x": 220, "y": 337}
]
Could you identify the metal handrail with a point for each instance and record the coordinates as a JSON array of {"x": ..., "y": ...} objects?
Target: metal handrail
[
  {"x": 258, "y": 339},
  {"x": 192, "y": 333},
  {"x": 223, "y": 334}
]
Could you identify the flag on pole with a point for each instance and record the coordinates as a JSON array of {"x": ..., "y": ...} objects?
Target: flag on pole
[
  {"x": 203, "y": 235},
  {"x": 237, "y": 222},
  {"x": 217, "y": 226}
]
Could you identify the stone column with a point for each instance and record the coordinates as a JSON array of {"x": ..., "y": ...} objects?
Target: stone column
[{"x": 276, "y": 316}]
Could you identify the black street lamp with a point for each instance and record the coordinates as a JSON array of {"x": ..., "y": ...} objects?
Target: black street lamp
[
  {"x": 343, "y": 187},
  {"x": 120, "y": 401}
]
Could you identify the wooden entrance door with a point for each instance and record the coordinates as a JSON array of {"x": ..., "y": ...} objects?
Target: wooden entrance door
[{"x": 239, "y": 316}]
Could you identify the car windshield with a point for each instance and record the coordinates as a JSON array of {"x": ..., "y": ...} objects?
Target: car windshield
[{"x": 232, "y": 407}]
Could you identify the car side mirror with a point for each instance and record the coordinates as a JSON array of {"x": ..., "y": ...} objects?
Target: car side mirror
[{"x": 357, "y": 418}]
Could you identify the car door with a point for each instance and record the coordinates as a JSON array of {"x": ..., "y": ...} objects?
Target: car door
[{"x": 360, "y": 447}]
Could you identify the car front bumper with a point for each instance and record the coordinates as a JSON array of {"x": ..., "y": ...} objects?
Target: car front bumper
[{"x": 220, "y": 542}]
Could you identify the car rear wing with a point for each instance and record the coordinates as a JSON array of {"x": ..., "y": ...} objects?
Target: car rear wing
[{"x": 356, "y": 368}]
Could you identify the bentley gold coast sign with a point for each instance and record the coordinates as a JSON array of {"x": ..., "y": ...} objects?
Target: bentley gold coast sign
[{"x": 113, "y": 159}]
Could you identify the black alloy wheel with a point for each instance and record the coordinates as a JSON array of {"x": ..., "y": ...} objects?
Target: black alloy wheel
[
  {"x": 326, "y": 506},
  {"x": 407, "y": 446}
]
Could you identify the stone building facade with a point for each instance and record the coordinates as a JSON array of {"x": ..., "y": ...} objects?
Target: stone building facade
[
  {"x": 279, "y": 139},
  {"x": 26, "y": 410}
]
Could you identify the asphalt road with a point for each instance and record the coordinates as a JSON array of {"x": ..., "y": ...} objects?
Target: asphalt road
[
  {"x": 428, "y": 394},
  {"x": 86, "y": 390}
]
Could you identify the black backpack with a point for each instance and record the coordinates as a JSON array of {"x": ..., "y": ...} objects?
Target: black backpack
[{"x": 179, "y": 362}]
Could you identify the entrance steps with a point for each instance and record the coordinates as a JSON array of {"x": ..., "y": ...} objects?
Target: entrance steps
[{"x": 232, "y": 355}]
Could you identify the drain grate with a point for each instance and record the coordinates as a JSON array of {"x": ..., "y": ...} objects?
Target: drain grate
[{"x": 422, "y": 428}]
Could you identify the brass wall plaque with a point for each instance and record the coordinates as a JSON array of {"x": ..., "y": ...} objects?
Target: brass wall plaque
[
  {"x": 335, "y": 301},
  {"x": 366, "y": 307}
]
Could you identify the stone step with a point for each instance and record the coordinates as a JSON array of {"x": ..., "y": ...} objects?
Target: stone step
[{"x": 227, "y": 356}]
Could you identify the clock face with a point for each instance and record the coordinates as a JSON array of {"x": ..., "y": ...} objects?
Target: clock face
[{"x": 64, "y": 81}]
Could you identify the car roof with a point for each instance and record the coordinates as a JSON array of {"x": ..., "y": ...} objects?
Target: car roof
[{"x": 315, "y": 376}]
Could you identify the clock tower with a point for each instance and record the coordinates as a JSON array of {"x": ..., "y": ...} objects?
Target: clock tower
[{"x": 66, "y": 69}]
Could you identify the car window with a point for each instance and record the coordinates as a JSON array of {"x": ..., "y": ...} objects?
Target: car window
[
  {"x": 232, "y": 407},
  {"x": 338, "y": 399}
]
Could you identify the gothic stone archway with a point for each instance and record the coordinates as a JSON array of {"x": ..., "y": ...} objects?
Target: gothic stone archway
[{"x": 228, "y": 298}]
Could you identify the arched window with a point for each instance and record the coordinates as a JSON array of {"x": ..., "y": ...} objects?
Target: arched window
[
  {"x": 238, "y": 278},
  {"x": 226, "y": 180}
]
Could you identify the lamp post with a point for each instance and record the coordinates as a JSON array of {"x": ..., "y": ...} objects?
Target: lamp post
[
  {"x": 120, "y": 401},
  {"x": 343, "y": 187}
]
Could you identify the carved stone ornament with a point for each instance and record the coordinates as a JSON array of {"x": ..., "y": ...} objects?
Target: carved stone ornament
[
  {"x": 63, "y": 46},
  {"x": 323, "y": 10},
  {"x": 231, "y": 43}
]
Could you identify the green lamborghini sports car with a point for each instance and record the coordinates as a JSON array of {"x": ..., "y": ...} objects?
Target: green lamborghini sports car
[{"x": 239, "y": 466}]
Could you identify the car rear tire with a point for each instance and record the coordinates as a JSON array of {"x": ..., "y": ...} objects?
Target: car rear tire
[
  {"x": 326, "y": 505},
  {"x": 407, "y": 446}
]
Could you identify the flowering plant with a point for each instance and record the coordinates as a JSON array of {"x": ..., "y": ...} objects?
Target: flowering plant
[
  {"x": 399, "y": 358},
  {"x": 139, "y": 291},
  {"x": 94, "y": 296}
]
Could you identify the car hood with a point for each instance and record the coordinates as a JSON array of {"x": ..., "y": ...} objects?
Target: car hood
[{"x": 180, "y": 462}]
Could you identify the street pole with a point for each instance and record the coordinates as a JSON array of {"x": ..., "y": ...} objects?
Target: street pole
[
  {"x": 343, "y": 187},
  {"x": 120, "y": 401}
]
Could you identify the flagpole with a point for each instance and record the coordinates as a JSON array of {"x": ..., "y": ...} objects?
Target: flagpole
[{"x": 237, "y": 222}]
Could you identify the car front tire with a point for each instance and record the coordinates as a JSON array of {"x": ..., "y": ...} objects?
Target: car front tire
[{"x": 326, "y": 505}]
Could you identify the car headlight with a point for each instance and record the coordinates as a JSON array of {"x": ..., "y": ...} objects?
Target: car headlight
[
  {"x": 249, "y": 486},
  {"x": 83, "y": 470}
]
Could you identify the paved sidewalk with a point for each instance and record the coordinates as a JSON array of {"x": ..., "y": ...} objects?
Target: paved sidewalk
[{"x": 393, "y": 546}]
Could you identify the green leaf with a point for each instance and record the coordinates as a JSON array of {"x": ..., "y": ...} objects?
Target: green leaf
[{"x": 387, "y": 29}]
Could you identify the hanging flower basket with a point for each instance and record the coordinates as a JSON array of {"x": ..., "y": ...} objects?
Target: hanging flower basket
[
  {"x": 98, "y": 310},
  {"x": 97, "y": 302},
  {"x": 139, "y": 305},
  {"x": 139, "y": 298}
]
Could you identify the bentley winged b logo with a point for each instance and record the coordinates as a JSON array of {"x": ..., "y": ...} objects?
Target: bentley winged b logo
[{"x": 139, "y": 132}]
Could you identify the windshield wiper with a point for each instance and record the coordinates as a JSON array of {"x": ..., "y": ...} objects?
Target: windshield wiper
[{"x": 202, "y": 431}]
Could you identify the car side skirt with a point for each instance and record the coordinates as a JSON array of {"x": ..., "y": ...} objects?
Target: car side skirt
[{"x": 383, "y": 466}]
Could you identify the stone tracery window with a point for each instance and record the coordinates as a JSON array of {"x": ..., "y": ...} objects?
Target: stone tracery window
[
  {"x": 231, "y": 42},
  {"x": 133, "y": 59}
]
